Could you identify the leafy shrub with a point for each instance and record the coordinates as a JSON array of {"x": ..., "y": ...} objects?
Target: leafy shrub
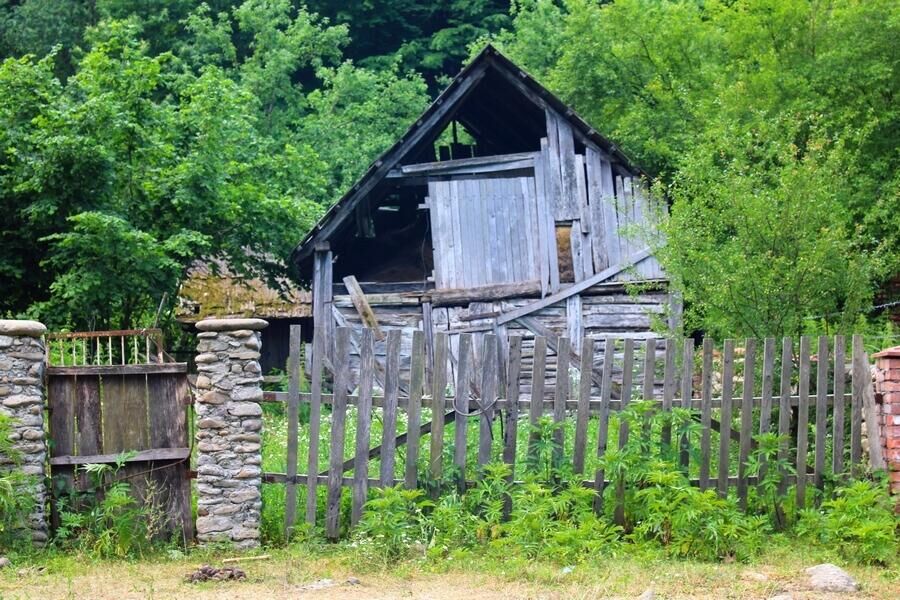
[
  {"x": 859, "y": 522},
  {"x": 393, "y": 521},
  {"x": 105, "y": 520}
]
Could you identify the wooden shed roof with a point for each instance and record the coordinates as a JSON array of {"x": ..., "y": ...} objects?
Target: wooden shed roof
[{"x": 516, "y": 108}]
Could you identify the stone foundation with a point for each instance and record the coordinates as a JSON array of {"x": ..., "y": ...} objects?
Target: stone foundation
[
  {"x": 22, "y": 360},
  {"x": 229, "y": 426}
]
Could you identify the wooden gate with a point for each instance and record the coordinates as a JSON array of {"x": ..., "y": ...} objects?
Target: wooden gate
[{"x": 113, "y": 392}]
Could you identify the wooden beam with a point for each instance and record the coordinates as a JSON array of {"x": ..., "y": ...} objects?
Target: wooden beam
[
  {"x": 148, "y": 369},
  {"x": 142, "y": 456},
  {"x": 362, "y": 306},
  {"x": 574, "y": 289},
  {"x": 484, "y": 293}
]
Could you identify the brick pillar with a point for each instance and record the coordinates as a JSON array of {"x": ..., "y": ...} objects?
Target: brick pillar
[
  {"x": 229, "y": 426},
  {"x": 22, "y": 359},
  {"x": 887, "y": 385}
]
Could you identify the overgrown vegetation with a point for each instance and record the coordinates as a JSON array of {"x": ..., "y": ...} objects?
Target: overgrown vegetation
[{"x": 15, "y": 505}]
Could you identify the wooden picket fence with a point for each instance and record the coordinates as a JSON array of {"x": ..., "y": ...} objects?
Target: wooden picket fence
[{"x": 783, "y": 383}]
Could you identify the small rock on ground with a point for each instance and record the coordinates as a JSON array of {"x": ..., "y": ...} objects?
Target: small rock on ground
[
  {"x": 208, "y": 573},
  {"x": 831, "y": 578},
  {"x": 782, "y": 597},
  {"x": 5, "y": 562},
  {"x": 648, "y": 594}
]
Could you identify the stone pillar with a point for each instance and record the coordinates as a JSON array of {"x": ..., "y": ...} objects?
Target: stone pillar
[
  {"x": 22, "y": 360},
  {"x": 887, "y": 386},
  {"x": 229, "y": 426}
]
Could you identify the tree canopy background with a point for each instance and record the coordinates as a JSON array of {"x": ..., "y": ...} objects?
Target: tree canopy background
[{"x": 140, "y": 135}]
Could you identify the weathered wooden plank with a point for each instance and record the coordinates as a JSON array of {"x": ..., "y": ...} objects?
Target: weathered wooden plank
[
  {"x": 627, "y": 374},
  {"x": 502, "y": 162},
  {"x": 687, "y": 380},
  {"x": 461, "y": 403},
  {"x": 363, "y": 426},
  {"x": 668, "y": 389},
  {"x": 555, "y": 191},
  {"x": 583, "y": 414},
  {"x": 706, "y": 412},
  {"x": 822, "y": 361},
  {"x": 725, "y": 419},
  {"x": 315, "y": 417},
  {"x": 574, "y": 323},
  {"x": 489, "y": 375},
  {"x": 438, "y": 392},
  {"x": 152, "y": 454},
  {"x": 872, "y": 414},
  {"x": 603, "y": 425},
  {"x": 784, "y": 407},
  {"x": 428, "y": 331},
  {"x": 108, "y": 370},
  {"x": 536, "y": 409},
  {"x": 837, "y": 430},
  {"x": 414, "y": 410},
  {"x": 537, "y": 191},
  {"x": 572, "y": 289},
  {"x": 362, "y": 307},
  {"x": 61, "y": 401},
  {"x": 746, "y": 419},
  {"x": 391, "y": 392},
  {"x": 765, "y": 409},
  {"x": 545, "y": 214},
  {"x": 322, "y": 296},
  {"x": 338, "y": 422},
  {"x": 293, "y": 424},
  {"x": 124, "y": 413},
  {"x": 568, "y": 182},
  {"x": 576, "y": 250},
  {"x": 649, "y": 369},
  {"x": 560, "y": 398},
  {"x": 859, "y": 379},
  {"x": 596, "y": 200},
  {"x": 513, "y": 389},
  {"x": 803, "y": 421}
]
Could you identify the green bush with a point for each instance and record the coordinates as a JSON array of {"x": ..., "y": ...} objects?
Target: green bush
[
  {"x": 14, "y": 505},
  {"x": 859, "y": 523}
]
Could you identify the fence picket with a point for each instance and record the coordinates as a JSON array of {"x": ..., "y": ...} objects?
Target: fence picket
[
  {"x": 512, "y": 408},
  {"x": 627, "y": 387},
  {"x": 603, "y": 425},
  {"x": 583, "y": 414},
  {"x": 837, "y": 432},
  {"x": 560, "y": 398},
  {"x": 803, "y": 422},
  {"x": 725, "y": 418},
  {"x": 649, "y": 378},
  {"x": 293, "y": 421},
  {"x": 461, "y": 405},
  {"x": 687, "y": 383},
  {"x": 536, "y": 410},
  {"x": 859, "y": 379},
  {"x": 746, "y": 419},
  {"x": 668, "y": 391},
  {"x": 391, "y": 391},
  {"x": 338, "y": 418},
  {"x": 784, "y": 406},
  {"x": 438, "y": 393},
  {"x": 414, "y": 408},
  {"x": 315, "y": 417},
  {"x": 489, "y": 374},
  {"x": 706, "y": 412},
  {"x": 821, "y": 413},
  {"x": 765, "y": 408},
  {"x": 363, "y": 425}
]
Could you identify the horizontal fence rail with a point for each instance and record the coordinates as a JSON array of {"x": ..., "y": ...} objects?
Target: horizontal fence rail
[{"x": 463, "y": 404}]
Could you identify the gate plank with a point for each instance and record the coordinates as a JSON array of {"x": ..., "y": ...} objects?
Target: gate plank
[
  {"x": 293, "y": 424},
  {"x": 687, "y": 381},
  {"x": 746, "y": 419},
  {"x": 416, "y": 384},
  {"x": 536, "y": 408},
  {"x": 338, "y": 418},
  {"x": 391, "y": 390},
  {"x": 90, "y": 417},
  {"x": 725, "y": 426},
  {"x": 784, "y": 407},
  {"x": 859, "y": 380},
  {"x": 803, "y": 422},
  {"x": 315, "y": 417},
  {"x": 584, "y": 400},
  {"x": 363, "y": 425}
]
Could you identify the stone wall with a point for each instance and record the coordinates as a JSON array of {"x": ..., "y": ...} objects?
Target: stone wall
[
  {"x": 229, "y": 426},
  {"x": 887, "y": 389},
  {"x": 22, "y": 360}
]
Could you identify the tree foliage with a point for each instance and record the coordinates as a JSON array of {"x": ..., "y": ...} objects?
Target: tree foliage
[{"x": 770, "y": 126}]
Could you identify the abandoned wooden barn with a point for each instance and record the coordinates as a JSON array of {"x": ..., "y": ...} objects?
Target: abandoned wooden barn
[{"x": 499, "y": 210}]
